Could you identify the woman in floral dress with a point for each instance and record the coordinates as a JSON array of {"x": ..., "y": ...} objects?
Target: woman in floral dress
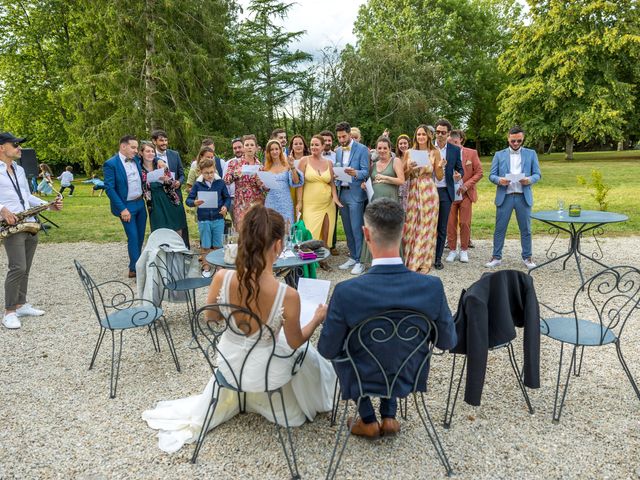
[
  {"x": 249, "y": 188},
  {"x": 287, "y": 176}
]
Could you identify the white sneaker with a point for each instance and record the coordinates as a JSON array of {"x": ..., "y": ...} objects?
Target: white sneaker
[
  {"x": 357, "y": 269},
  {"x": 453, "y": 254},
  {"x": 529, "y": 263},
  {"x": 27, "y": 310},
  {"x": 348, "y": 264},
  {"x": 464, "y": 256},
  {"x": 495, "y": 262},
  {"x": 11, "y": 320},
  {"x": 70, "y": 195}
]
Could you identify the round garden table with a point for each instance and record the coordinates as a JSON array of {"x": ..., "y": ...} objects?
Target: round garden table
[
  {"x": 588, "y": 221},
  {"x": 290, "y": 267}
]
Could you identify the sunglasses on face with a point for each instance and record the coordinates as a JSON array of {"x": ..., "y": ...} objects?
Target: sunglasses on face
[
  {"x": 516, "y": 141},
  {"x": 441, "y": 132},
  {"x": 15, "y": 144}
]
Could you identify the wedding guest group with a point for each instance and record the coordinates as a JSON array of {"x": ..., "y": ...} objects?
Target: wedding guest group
[{"x": 15, "y": 197}]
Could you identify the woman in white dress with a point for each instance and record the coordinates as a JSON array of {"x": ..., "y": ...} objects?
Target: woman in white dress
[{"x": 254, "y": 286}]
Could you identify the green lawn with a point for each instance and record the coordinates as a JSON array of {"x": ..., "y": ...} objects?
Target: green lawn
[{"x": 87, "y": 218}]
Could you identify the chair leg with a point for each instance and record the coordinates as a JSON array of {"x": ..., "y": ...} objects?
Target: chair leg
[
  {"x": 423, "y": 412},
  {"x": 342, "y": 430},
  {"x": 154, "y": 337},
  {"x": 403, "y": 407},
  {"x": 448, "y": 416},
  {"x": 116, "y": 353},
  {"x": 206, "y": 421},
  {"x": 98, "y": 343},
  {"x": 626, "y": 369},
  {"x": 557, "y": 408},
  {"x": 518, "y": 374},
  {"x": 167, "y": 334},
  {"x": 577, "y": 367},
  {"x": 289, "y": 456},
  {"x": 336, "y": 402}
]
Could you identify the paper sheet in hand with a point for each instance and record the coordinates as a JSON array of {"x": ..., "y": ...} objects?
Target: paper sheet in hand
[
  {"x": 421, "y": 157},
  {"x": 457, "y": 186},
  {"x": 250, "y": 169},
  {"x": 269, "y": 179},
  {"x": 210, "y": 199},
  {"x": 514, "y": 177},
  {"x": 154, "y": 176},
  {"x": 312, "y": 293},
  {"x": 369, "y": 189},
  {"x": 342, "y": 176}
]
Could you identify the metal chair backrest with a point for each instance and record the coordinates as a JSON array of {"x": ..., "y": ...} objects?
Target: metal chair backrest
[
  {"x": 212, "y": 322},
  {"x": 93, "y": 292},
  {"x": 409, "y": 335},
  {"x": 613, "y": 294},
  {"x": 170, "y": 268}
]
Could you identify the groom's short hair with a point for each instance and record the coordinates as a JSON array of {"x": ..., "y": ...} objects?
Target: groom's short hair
[{"x": 384, "y": 218}]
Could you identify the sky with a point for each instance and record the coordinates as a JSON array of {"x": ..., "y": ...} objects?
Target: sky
[{"x": 327, "y": 22}]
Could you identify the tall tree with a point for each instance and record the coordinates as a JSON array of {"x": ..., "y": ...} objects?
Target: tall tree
[
  {"x": 573, "y": 71},
  {"x": 271, "y": 74}
]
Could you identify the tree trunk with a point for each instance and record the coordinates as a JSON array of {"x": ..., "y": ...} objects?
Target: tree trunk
[
  {"x": 149, "y": 80},
  {"x": 540, "y": 147},
  {"x": 621, "y": 145},
  {"x": 568, "y": 153}
]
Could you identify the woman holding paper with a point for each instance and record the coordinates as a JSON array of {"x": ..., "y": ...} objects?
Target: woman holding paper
[
  {"x": 421, "y": 217},
  {"x": 402, "y": 145},
  {"x": 246, "y": 346},
  {"x": 386, "y": 175},
  {"x": 283, "y": 176},
  {"x": 159, "y": 190},
  {"x": 319, "y": 195},
  {"x": 243, "y": 172}
]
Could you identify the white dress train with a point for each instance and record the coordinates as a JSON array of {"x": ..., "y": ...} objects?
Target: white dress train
[{"x": 305, "y": 394}]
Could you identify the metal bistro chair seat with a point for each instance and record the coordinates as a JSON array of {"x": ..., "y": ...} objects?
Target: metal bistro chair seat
[
  {"x": 613, "y": 297},
  {"x": 119, "y": 311}
]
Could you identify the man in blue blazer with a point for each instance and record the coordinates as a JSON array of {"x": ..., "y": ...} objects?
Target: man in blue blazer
[
  {"x": 174, "y": 162},
  {"x": 355, "y": 158},
  {"x": 446, "y": 187},
  {"x": 123, "y": 184},
  {"x": 514, "y": 194},
  {"x": 387, "y": 285}
]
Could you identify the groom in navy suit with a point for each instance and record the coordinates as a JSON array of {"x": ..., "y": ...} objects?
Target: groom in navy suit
[
  {"x": 387, "y": 285},
  {"x": 123, "y": 184},
  {"x": 355, "y": 158}
]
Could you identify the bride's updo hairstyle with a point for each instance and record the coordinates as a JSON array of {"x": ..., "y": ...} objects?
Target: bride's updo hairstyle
[{"x": 261, "y": 227}]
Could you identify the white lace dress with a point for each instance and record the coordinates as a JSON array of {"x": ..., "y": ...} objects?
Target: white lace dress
[{"x": 305, "y": 394}]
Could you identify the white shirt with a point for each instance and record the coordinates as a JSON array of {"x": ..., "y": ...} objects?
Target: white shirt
[
  {"x": 9, "y": 197},
  {"x": 133, "y": 178},
  {"x": 387, "y": 261},
  {"x": 346, "y": 154},
  {"x": 65, "y": 178},
  {"x": 331, "y": 156},
  {"x": 443, "y": 154},
  {"x": 163, "y": 156},
  {"x": 515, "y": 166}
]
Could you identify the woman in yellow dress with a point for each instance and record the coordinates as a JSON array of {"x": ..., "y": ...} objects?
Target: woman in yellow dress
[
  {"x": 319, "y": 195},
  {"x": 421, "y": 218}
]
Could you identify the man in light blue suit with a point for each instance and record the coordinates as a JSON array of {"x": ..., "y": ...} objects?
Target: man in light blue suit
[
  {"x": 123, "y": 184},
  {"x": 355, "y": 158},
  {"x": 513, "y": 194},
  {"x": 388, "y": 285}
]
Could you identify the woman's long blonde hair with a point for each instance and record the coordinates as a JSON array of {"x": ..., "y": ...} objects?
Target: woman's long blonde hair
[{"x": 269, "y": 161}]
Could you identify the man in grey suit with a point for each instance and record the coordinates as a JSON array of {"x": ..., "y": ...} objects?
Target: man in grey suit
[
  {"x": 355, "y": 158},
  {"x": 514, "y": 170}
]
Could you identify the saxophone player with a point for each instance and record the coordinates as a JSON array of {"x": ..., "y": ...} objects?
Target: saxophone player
[{"x": 15, "y": 197}]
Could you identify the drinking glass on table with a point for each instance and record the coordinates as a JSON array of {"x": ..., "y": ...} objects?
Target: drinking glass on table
[{"x": 560, "y": 206}]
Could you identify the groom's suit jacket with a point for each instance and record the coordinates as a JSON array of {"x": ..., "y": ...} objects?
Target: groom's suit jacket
[
  {"x": 116, "y": 184},
  {"x": 383, "y": 287},
  {"x": 501, "y": 165},
  {"x": 359, "y": 161}
]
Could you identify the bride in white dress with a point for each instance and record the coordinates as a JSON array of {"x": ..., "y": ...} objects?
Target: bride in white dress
[{"x": 254, "y": 287}]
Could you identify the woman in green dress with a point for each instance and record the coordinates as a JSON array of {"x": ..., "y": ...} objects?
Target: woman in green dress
[{"x": 386, "y": 175}]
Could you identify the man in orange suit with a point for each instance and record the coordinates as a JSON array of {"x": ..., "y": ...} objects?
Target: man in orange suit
[{"x": 461, "y": 210}]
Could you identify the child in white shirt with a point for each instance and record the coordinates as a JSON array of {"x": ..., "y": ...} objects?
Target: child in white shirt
[{"x": 66, "y": 178}]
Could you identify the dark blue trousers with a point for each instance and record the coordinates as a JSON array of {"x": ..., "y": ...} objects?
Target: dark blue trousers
[
  {"x": 388, "y": 407},
  {"x": 443, "y": 220},
  {"x": 135, "y": 229}
]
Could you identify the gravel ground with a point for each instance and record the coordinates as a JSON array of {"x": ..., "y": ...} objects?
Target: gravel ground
[{"x": 57, "y": 420}]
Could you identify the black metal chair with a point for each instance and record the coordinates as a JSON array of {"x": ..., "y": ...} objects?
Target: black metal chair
[
  {"x": 613, "y": 297},
  {"x": 413, "y": 336},
  {"x": 208, "y": 325},
  {"x": 117, "y": 310},
  {"x": 172, "y": 277}
]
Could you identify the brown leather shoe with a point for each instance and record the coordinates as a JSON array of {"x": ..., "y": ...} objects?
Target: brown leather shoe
[
  {"x": 390, "y": 427},
  {"x": 366, "y": 430},
  {"x": 132, "y": 274}
]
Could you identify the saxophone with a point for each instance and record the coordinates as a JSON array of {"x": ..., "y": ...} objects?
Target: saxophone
[{"x": 22, "y": 225}]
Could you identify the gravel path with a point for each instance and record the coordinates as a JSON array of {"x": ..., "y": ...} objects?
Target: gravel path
[{"x": 58, "y": 422}]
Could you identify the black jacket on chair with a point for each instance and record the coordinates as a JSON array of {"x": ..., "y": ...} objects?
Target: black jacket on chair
[{"x": 487, "y": 315}]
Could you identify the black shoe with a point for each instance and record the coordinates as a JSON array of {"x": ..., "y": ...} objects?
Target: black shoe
[{"x": 438, "y": 265}]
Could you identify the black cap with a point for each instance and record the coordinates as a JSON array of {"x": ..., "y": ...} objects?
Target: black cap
[{"x": 9, "y": 137}]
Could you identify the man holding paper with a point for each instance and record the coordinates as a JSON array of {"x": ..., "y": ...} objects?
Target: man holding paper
[
  {"x": 351, "y": 169},
  {"x": 388, "y": 285},
  {"x": 514, "y": 170}
]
